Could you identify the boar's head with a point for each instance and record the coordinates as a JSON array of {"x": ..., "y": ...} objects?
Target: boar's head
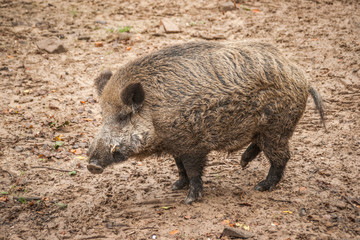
[{"x": 126, "y": 129}]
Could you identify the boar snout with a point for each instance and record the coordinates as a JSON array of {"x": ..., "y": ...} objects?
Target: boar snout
[
  {"x": 94, "y": 168},
  {"x": 102, "y": 155}
]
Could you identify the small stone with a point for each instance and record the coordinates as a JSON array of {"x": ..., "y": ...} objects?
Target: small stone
[
  {"x": 86, "y": 38},
  {"x": 169, "y": 26},
  {"x": 123, "y": 36},
  {"x": 51, "y": 45},
  {"x": 53, "y": 107},
  {"x": 101, "y": 22},
  {"x": 236, "y": 233},
  {"x": 18, "y": 149},
  {"x": 227, "y": 6},
  {"x": 302, "y": 212},
  {"x": 83, "y": 145}
]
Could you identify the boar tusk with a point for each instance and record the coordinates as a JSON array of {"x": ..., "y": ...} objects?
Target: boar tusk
[{"x": 114, "y": 148}]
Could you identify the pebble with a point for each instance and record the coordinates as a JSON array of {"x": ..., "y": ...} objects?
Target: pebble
[
  {"x": 51, "y": 45},
  {"x": 83, "y": 145},
  {"x": 169, "y": 26},
  {"x": 236, "y": 233},
  {"x": 101, "y": 22},
  {"x": 302, "y": 212},
  {"x": 18, "y": 149},
  {"x": 123, "y": 36},
  {"x": 227, "y": 6},
  {"x": 86, "y": 38}
]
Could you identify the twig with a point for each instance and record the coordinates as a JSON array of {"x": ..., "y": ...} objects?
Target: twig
[
  {"x": 11, "y": 176},
  {"x": 28, "y": 198},
  {"x": 94, "y": 237},
  {"x": 50, "y": 168},
  {"x": 158, "y": 201},
  {"x": 279, "y": 200}
]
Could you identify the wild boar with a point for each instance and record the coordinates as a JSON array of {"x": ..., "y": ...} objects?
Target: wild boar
[{"x": 193, "y": 98}]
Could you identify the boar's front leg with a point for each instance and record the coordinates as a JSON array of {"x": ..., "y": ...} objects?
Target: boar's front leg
[
  {"x": 183, "y": 178},
  {"x": 193, "y": 164}
]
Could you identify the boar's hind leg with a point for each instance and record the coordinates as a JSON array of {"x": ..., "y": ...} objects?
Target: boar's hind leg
[
  {"x": 183, "y": 178},
  {"x": 278, "y": 154},
  {"x": 193, "y": 165},
  {"x": 251, "y": 152}
]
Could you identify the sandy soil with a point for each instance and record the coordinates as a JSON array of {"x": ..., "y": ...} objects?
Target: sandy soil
[{"x": 49, "y": 97}]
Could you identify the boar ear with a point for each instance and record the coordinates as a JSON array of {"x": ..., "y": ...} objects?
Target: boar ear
[
  {"x": 133, "y": 94},
  {"x": 102, "y": 80}
]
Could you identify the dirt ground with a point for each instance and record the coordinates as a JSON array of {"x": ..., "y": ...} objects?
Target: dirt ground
[{"x": 49, "y": 114}]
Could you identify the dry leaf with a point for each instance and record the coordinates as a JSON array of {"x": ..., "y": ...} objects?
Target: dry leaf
[
  {"x": 243, "y": 226},
  {"x": 3, "y": 199},
  {"x": 174, "y": 232},
  {"x": 76, "y": 151},
  {"x": 58, "y": 138},
  {"x": 225, "y": 222}
]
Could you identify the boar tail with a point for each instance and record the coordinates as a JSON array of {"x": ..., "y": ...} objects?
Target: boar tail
[{"x": 318, "y": 103}]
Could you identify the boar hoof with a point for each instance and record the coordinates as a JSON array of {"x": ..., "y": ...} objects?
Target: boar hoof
[
  {"x": 95, "y": 169},
  {"x": 264, "y": 186},
  {"x": 190, "y": 199},
  {"x": 243, "y": 164},
  {"x": 195, "y": 190},
  {"x": 180, "y": 184}
]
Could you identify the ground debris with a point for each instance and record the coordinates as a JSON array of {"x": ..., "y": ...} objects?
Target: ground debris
[
  {"x": 51, "y": 45},
  {"x": 209, "y": 36},
  {"x": 169, "y": 26},
  {"x": 50, "y": 168},
  {"x": 236, "y": 233},
  {"x": 84, "y": 37},
  {"x": 227, "y": 6}
]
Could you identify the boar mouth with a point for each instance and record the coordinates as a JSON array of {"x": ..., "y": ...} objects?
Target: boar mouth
[
  {"x": 95, "y": 168},
  {"x": 116, "y": 154}
]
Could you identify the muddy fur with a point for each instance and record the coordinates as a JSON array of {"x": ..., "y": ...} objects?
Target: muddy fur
[{"x": 190, "y": 99}]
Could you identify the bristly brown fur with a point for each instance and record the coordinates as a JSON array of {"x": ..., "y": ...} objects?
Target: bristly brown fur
[{"x": 200, "y": 97}]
